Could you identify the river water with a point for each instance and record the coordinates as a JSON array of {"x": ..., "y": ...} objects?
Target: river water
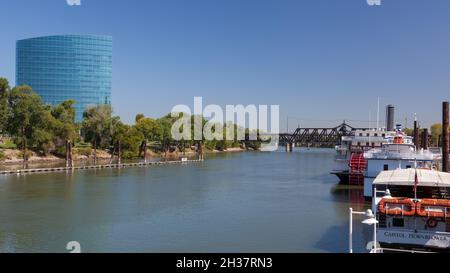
[{"x": 236, "y": 202}]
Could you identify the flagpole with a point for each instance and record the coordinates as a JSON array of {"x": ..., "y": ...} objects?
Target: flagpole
[{"x": 416, "y": 179}]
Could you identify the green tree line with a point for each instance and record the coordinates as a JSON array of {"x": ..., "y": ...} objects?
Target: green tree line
[{"x": 36, "y": 126}]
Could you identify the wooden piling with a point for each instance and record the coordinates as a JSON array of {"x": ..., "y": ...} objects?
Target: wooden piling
[
  {"x": 425, "y": 139},
  {"x": 445, "y": 143},
  {"x": 416, "y": 135}
]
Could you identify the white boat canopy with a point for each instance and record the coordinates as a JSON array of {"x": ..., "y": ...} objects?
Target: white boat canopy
[{"x": 406, "y": 177}]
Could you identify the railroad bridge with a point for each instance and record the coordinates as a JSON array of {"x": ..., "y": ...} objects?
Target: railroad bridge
[{"x": 318, "y": 137}]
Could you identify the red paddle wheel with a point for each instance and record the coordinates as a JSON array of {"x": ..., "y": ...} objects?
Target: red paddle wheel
[{"x": 357, "y": 168}]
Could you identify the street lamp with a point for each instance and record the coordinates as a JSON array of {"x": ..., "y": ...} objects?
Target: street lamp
[{"x": 370, "y": 220}]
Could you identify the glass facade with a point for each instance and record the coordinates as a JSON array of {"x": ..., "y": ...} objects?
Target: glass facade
[{"x": 67, "y": 67}]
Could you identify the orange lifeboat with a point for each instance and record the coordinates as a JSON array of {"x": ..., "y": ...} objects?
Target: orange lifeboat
[
  {"x": 437, "y": 208},
  {"x": 397, "y": 206},
  {"x": 398, "y": 140}
]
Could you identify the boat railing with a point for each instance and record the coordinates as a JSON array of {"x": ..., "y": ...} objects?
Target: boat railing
[
  {"x": 390, "y": 250},
  {"x": 380, "y": 154},
  {"x": 446, "y": 210},
  {"x": 428, "y": 209}
]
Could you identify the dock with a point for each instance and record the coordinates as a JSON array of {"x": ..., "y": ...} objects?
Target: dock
[{"x": 100, "y": 167}]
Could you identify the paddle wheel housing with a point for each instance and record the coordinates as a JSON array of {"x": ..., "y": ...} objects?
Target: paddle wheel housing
[{"x": 357, "y": 168}]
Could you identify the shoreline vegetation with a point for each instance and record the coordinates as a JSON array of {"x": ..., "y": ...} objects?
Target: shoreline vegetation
[
  {"x": 12, "y": 157},
  {"x": 34, "y": 132}
]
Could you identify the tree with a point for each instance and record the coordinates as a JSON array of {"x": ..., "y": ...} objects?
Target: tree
[
  {"x": 28, "y": 119},
  {"x": 436, "y": 132},
  {"x": 4, "y": 107},
  {"x": 131, "y": 141},
  {"x": 165, "y": 123},
  {"x": 96, "y": 126},
  {"x": 118, "y": 131},
  {"x": 150, "y": 129},
  {"x": 409, "y": 131},
  {"x": 138, "y": 117},
  {"x": 64, "y": 126}
]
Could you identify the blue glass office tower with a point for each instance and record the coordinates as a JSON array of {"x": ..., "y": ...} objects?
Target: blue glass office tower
[{"x": 67, "y": 67}]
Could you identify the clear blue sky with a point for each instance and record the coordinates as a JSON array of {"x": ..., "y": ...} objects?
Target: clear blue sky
[{"x": 321, "y": 60}]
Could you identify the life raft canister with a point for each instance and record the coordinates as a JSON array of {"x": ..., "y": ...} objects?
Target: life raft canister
[
  {"x": 424, "y": 204},
  {"x": 397, "y": 206}
]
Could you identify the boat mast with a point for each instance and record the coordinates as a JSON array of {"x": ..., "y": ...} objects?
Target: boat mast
[{"x": 378, "y": 114}]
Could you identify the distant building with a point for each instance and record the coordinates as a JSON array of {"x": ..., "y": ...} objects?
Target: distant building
[{"x": 67, "y": 67}]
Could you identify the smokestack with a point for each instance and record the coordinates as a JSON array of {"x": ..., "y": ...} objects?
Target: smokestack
[
  {"x": 445, "y": 136},
  {"x": 416, "y": 135},
  {"x": 425, "y": 139},
  {"x": 390, "y": 110}
]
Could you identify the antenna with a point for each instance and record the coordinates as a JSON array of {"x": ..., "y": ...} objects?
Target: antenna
[{"x": 378, "y": 114}]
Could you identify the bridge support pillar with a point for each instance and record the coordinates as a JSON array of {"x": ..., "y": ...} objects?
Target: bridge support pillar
[{"x": 289, "y": 147}]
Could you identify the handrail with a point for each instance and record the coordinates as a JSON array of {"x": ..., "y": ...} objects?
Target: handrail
[{"x": 380, "y": 250}]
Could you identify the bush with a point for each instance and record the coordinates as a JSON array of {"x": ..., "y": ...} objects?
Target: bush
[
  {"x": 87, "y": 151},
  {"x": 82, "y": 145},
  {"x": 28, "y": 154},
  {"x": 2, "y": 155},
  {"x": 60, "y": 151},
  {"x": 129, "y": 155},
  {"x": 8, "y": 145}
]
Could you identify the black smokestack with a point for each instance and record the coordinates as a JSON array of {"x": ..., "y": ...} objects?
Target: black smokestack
[{"x": 390, "y": 111}]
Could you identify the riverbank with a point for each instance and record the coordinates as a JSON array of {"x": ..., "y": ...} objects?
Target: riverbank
[{"x": 13, "y": 157}]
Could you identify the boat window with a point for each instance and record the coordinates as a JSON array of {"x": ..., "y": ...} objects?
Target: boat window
[
  {"x": 367, "y": 144},
  {"x": 360, "y": 134},
  {"x": 384, "y": 135},
  {"x": 376, "y": 134},
  {"x": 398, "y": 222},
  {"x": 386, "y": 167},
  {"x": 408, "y": 166}
]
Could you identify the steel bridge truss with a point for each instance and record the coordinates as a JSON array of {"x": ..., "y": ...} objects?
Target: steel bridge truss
[{"x": 318, "y": 137}]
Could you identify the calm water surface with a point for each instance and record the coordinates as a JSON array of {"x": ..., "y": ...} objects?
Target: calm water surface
[{"x": 240, "y": 202}]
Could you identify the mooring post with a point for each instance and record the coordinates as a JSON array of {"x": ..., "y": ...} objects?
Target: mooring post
[
  {"x": 120, "y": 153},
  {"x": 112, "y": 154},
  {"x": 145, "y": 151},
  {"x": 425, "y": 138},
  {"x": 200, "y": 150},
  {"x": 69, "y": 163},
  {"x": 67, "y": 153},
  {"x": 445, "y": 136},
  {"x": 25, "y": 155},
  {"x": 416, "y": 135}
]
